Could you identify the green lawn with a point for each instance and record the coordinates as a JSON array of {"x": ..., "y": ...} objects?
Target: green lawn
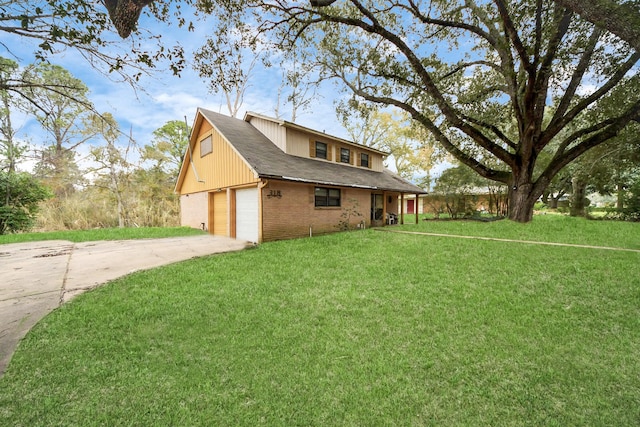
[
  {"x": 362, "y": 328},
  {"x": 101, "y": 234},
  {"x": 549, "y": 228}
]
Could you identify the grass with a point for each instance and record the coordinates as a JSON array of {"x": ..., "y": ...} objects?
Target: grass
[
  {"x": 548, "y": 228},
  {"x": 361, "y": 328},
  {"x": 101, "y": 234}
]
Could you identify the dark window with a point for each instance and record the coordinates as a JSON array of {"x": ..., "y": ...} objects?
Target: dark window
[
  {"x": 345, "y": 155},
  {"x": 206, "y": 146},
  {"x": 321, "y": 150},
  {"x": 364, "y": 160},
  {"x": 327, "y": 196}
]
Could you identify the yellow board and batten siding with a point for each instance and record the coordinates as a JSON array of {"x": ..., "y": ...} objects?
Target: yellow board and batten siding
[
  {"x": 218, "y": 170},
  {"x": 221, "y": 168}
]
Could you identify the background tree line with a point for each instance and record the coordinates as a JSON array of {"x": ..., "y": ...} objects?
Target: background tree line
[{"x": 86, "y": 172}]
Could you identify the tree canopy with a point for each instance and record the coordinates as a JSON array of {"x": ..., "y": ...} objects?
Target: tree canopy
[{"x": 496, "y": 83}]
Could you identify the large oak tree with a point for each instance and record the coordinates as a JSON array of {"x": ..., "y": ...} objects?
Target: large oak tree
[{"x": 497, "y": 83}]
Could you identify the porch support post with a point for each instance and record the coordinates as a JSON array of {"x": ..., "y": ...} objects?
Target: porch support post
[
  {"x": 416, "y": 208},
  {"x": 402, "y": 208},
  {"x": 384, "y": 208}
]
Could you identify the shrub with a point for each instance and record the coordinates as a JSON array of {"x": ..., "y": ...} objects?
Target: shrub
[{"x": 21, "y": 195}]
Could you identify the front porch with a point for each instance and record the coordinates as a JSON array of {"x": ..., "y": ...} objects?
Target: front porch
[{"x": 387, "y": 208}]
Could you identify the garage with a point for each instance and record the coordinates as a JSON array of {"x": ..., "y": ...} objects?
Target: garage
[
  {"x": 247, "y": 214},
  {"x": 218, "y": 213}
]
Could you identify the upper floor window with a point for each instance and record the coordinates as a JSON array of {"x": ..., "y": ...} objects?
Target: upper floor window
[
  {"x": 364, "y": 160},
  {"x": 327, "y": 197},
  {"x": 206, "y": 146},
  {"x": 321, "y": 150},
  {"x": 345, "y": 155}
]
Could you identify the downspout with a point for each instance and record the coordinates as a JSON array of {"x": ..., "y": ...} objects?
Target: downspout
[{"x": 261, "y": 185}]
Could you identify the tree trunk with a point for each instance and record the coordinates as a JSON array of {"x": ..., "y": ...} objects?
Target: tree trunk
[
  {"x": 620, "y": 197},
  {"x": 523, "y": 194},
  {"x": 117, "y": 193},
  {"x": 521, "y": 204},
  {"x": 578, "y": 198}
]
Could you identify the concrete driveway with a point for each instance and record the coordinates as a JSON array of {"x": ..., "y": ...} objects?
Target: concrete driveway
[{"x": 37, "y": 277}]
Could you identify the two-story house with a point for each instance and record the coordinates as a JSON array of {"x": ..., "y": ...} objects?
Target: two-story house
[{"x": 262, "y": 179}]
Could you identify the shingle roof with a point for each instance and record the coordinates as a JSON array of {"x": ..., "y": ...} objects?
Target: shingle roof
[{"x": 269, "y": 161}]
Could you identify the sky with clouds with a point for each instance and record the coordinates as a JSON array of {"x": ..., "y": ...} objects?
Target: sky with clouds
[{"x": 162, "y": 96}]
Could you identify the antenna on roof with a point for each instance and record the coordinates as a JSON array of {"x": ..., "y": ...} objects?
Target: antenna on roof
[{"x": 193, "y": 166}]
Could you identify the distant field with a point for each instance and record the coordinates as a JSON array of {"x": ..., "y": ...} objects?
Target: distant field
[
  {"x": 101, "y": 234},
  {"x": 361, "y": 328}
]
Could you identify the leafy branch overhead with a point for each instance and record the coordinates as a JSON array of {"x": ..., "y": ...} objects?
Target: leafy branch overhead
[
  {"x": 514, "y": 90},
  {"x": 86, "y": 27}
]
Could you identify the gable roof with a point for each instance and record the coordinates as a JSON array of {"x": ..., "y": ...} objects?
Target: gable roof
[{"x": 268, "y": 161}]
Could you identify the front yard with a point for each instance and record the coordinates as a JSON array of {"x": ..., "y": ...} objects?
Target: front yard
[{"x": 360, "y": 328}]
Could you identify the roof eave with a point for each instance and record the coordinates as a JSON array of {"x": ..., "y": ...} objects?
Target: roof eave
[{"x": 338, "y": 184}]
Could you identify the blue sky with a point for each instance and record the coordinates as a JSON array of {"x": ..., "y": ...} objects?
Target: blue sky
[{"x": 163, "y": 96}]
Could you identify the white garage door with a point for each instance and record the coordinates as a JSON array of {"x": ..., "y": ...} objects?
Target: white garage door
[{"x": 247, "y": 214}]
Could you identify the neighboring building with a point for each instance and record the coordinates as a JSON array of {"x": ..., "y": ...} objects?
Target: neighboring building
[
  {"x": 467, "y": 203},
  {"x": 262, "y": 179},
  {"x": 410, "y": 205}
]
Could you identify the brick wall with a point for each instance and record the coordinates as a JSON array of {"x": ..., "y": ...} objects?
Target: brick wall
[
  {"x": 289, "y": 211},
  {"x": 194, "y": 210}
]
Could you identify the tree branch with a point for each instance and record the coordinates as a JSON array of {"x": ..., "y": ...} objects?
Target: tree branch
[
  {"x": 610, "y": 129},
  {"x": 512, "y": 34},
  {"x": 430, "y": 87},
  {"x": 560, "y": 122},
  {"x": 496, "y": 131},
  {"x": 576, "y": 78},
  {"x": 623, "y": 20}
]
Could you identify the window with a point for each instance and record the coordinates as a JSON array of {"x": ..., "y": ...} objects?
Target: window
[
  {"x": 321, "y": 150},
  {"x": 364, "y": 160},
  {"x": 345, "y": 155},
  {"x": 206, "y": 146},
  {"x": 327, "y": 197}
]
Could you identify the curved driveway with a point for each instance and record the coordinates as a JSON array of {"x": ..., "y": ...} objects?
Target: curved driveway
[{"x": 37, "y": 277}]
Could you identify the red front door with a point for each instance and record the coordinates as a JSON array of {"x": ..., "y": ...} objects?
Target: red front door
[{"x": 410, "y": 205}]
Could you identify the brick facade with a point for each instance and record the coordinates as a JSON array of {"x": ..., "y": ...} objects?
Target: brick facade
[
  {"x": 288, "y": 211},
  {"x": 194, "y": 211}
]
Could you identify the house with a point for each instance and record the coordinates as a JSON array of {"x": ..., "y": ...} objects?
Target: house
[{"x": 262, "y": 179}]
